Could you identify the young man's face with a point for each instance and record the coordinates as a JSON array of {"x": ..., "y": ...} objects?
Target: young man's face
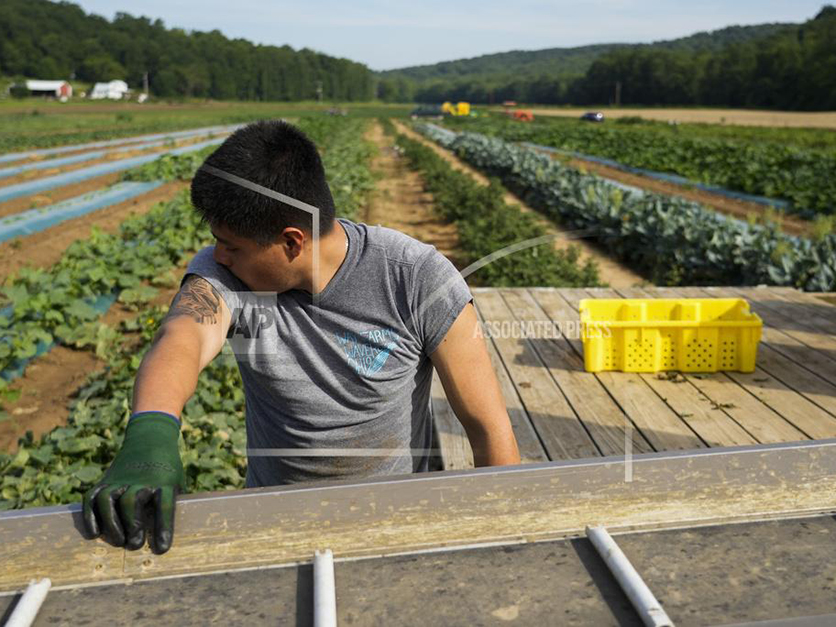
[{"x": 261, "y": 268}]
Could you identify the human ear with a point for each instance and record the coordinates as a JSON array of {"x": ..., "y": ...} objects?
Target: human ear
[{"x": 293, "y": 240}]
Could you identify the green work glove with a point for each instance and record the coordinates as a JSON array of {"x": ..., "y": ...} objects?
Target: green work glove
[{"x": 147, "y": 472}]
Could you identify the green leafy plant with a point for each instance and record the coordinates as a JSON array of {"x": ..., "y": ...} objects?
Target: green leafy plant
[
  {"x": 755, "y": 164},
  {"x": 486, "y": 224},
  {"x": 64, "y": 463},
  {"x": 674, "y": 241},
  {"x": 40, "y": 306},
  {"x": 170, "y": 167},
  {"x": 49, "y": 305}
]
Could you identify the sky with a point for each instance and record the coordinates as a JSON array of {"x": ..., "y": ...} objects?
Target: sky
[{"x": 389, "y": 35}]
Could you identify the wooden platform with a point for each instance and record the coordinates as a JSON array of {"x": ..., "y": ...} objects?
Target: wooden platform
[{"x": 560, "y": 411}]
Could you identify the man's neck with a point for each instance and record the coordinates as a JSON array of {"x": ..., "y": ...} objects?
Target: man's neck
[{"x": 333, "y": 249}]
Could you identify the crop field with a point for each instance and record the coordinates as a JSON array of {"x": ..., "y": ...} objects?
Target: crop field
[
  {"x": 35, "y": 123},
  {"x": 791, "y": 167},
  {"x": 103, "y": 294},
  {"x": 63, "y": 305},
  {"x": 789, "y": 119},
  {"x": 675, "y": 242}
]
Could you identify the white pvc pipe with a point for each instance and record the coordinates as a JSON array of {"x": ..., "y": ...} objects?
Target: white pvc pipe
[
  {"x": 29, "y": 604},
  {"x": 325, "y": 595},
  {"x": 640, "y": 596}
]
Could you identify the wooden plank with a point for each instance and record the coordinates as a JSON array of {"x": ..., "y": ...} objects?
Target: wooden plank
[
  {"x": 808, "y": 383},
  {"x": 530, "y": 447},
  {"x": 659, "y": 424},
  {"x": 456, "y": 453},
  {"x": 715, "y": 427},
  {"x": 781, "y": 396},
  {"x": 819, "y": 315},
  {"x": 707, "y": 419},
  {"x": 804, "y": 356},
  {"x": 602, "y": 417},
  {"x": 808, "y": 417},
  {"x": 825, "y": 300},
  {"x": 558, "y": 309},
  {"x": 632, "y": 292},
  {"x": 559, "y": 428},
  {"x": 408, "y": 513},
  {"x": 804, "y": 382},
  {"x": 725, "y": 395},
  {"x": 787, "y": 317}
]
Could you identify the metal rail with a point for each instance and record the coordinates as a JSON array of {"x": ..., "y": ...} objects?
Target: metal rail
[{"x": 410, "y": 513}]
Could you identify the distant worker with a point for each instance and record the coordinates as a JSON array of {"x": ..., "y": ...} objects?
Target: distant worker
[{"x": 332, "y": 359}]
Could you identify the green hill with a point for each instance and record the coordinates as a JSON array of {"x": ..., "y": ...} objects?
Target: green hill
[
  {"x": 768, "y": 65},
  {"x": 576, "y": 61}
]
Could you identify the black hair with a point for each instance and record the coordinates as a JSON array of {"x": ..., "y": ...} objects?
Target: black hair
[{"x": 275, "y": 155}]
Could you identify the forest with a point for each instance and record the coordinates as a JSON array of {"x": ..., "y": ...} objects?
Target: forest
[
  {"x": 41, "y": 39},
  {"x": 775, "y": 66}
]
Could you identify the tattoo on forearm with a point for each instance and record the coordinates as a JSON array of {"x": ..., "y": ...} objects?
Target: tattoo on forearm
[{"x": 197, "y": 299}]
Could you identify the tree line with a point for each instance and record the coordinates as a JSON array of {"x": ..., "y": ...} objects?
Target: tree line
[
  {"x": 791, "y": 67},
  {"x": 782, "y": 66},
  {"x": 42, "y": 39}
]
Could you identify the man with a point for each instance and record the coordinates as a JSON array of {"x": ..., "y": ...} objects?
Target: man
[{"x": 335, "y": 356}]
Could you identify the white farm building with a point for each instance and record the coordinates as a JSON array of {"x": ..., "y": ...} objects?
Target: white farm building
[{"x": 115, "y": 90}]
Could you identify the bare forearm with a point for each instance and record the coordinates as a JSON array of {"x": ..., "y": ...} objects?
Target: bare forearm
[
  {"x": 167, "y": 377},
  {"x": 495, "y": 445}
]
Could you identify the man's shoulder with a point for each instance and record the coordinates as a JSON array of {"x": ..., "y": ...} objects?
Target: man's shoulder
[
  {"x": 203, "y": 261},
  {"x": 396, "y": 246},
  {"x": 204, "y": 265},
  {"x": 204, "y": 255}
]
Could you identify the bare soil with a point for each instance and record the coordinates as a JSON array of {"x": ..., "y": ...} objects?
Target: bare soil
[
  {"x": 44, "y": 248},
  {"x": 70, "y": 153},
  {"x": 718, "y": 202},
  {"x": 49, "y": 197},
  {"x": 52, "y": 381},
  {"x": 609, "y": 269},
  {"x": 32, "y": 175},
  {"x": 826, "y": 119},
  {"x": 400, "y": 202}
]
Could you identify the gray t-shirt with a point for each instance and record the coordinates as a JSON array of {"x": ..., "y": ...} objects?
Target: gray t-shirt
[{"x": 352, "y": 373}]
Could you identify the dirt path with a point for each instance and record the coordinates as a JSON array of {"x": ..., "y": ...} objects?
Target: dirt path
[
  {"x": 723, "y": 204},
  {"x": 400, "y": 202},
  {"x": 45, "y": 247},
  {"x": 609, "y": 269}
]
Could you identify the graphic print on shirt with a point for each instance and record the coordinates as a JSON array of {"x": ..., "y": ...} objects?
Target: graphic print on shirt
[{"x": 368, "y": 351}]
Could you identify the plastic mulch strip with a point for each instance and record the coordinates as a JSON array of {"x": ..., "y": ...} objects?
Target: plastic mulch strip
[{"x": 35, "y": 220}]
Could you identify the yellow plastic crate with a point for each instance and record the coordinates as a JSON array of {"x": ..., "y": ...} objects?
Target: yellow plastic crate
[{"x": 685, "y": 334}]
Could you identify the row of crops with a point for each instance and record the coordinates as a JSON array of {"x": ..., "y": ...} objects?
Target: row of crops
[
  {"x": 57, "y": 305},
  {"x": 670, "y": 240},
  {"x": 801, "y": 175},
  {"x": 340, "y": 146},
  {"x": 48, "y": 125},
  {"x": 486, "y": 224}
]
